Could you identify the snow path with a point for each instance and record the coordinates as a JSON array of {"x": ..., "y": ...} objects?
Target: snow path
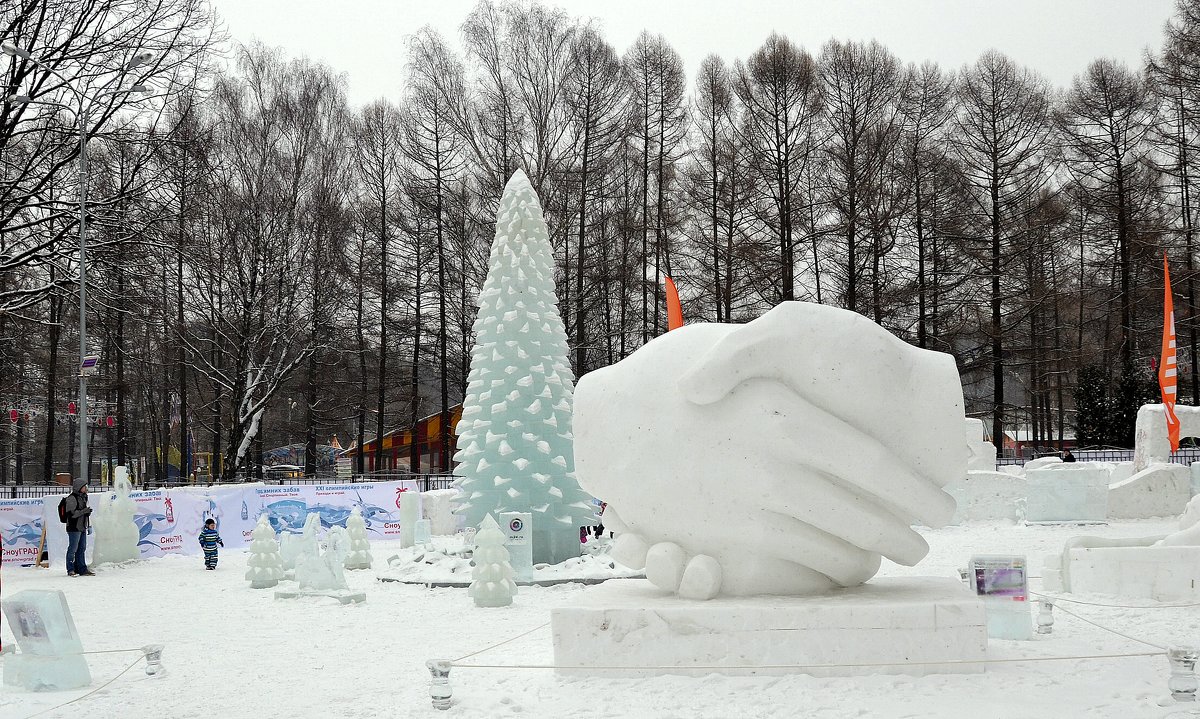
[{"x": 236, "y": 652}]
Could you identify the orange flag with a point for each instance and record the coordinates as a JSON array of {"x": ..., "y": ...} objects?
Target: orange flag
[
  {"x": 674, "y": 311},
  {"x": 1168, "y": 379}
]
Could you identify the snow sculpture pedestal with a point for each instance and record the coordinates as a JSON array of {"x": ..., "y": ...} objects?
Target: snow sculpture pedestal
[
  {"x": 894, "y": 624},
  {"x": 1165, "y": 574}
]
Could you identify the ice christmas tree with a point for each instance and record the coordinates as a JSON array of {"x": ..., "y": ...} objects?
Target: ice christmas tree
[
  {"x": 359, "y": 556},
  {"x": 265, "y": 566},
  {"x": 492, "y": 582},
  {"x": 514, "y": 439}
]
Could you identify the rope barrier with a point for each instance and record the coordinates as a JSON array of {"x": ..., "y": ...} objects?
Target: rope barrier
[
  {"x": 500, "y": 644},
  {"x": 1113, "y": 631},
  {"x": 1058, "y": 598},
  {"x": 113, "y": 651},
  {"x": 720, "y": 667},
  {"x": 85, "y": 696}
]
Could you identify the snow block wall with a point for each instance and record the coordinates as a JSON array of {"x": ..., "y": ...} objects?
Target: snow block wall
[
  {"x": 1067, "y": 493},
  {"x": 1150, "y": 441},
  {"x": 437, "y": 505},
  {"x": 985, "y": 496},
  {"x": 782, "y": 456},
  {"x": 1160, "y": 490},
  {"x": 515, "y": 441}
]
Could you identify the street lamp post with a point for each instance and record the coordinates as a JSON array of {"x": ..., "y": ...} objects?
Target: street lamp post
[{"x": 82, "y": 117}]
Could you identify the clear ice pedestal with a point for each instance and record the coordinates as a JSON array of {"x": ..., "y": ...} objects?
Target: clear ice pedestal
[{"x": 50, "y": 656}]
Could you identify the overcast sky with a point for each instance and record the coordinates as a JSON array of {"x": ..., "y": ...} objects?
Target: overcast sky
[{"x": 366, "y": 38}]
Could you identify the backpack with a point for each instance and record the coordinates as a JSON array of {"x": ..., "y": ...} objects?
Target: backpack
[{"x": 62, "y": 510}]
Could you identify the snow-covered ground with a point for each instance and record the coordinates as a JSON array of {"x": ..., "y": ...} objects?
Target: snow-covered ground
[{"x": 236, "y": 652}]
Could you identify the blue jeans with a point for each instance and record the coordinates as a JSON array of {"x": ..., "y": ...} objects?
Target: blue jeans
[{"x": 76, "y": 548}]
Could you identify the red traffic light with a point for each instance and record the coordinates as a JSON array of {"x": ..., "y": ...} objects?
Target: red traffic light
[
  {"x": 109, "y": 421},
  {"x": 71, "y": 408},
  {"x": 13, "y": 415}
]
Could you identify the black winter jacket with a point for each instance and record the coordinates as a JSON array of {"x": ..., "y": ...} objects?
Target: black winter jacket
[{"x": 78, "y": 513}]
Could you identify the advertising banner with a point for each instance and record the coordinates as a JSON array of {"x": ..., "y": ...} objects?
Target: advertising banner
[
  {"x": 169, "y": 520},
  {"x": 379, "y": 503},
  {"x": 20, "y": 530}
]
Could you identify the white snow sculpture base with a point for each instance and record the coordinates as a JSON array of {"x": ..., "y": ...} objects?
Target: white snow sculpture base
[
  {"x": 988, "y": 495},
  {"x": 896, "y": 622},
  {"x": 1067, "y": 494},
  {"x": 1160, "y": 490},
  {"x": 1160, "y": 573},
  {"x": 345, "y": 597}
]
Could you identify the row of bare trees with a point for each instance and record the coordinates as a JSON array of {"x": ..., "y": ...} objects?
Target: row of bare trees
[{"x": 275, "y": 266}]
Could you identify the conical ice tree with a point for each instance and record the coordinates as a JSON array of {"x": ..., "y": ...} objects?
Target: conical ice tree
[
  {"x": 264, "y": 568},
  {"x": 492, "y": 582},
  {"x": 515, "y": 447}
]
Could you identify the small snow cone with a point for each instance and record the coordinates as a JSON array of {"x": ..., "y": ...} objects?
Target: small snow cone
[
  {"x": 359, "y": 556},
  {"x": 492, "y": 582},
  {"x": 265, "y": 566}
]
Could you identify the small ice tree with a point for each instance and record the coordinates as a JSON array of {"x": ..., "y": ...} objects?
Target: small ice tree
[
  {"x": 265, "y": 566},
  {"x": 359, "y": 556},
  {"x": 515, "y": 446},
  {"x": 492, "y": 582}
]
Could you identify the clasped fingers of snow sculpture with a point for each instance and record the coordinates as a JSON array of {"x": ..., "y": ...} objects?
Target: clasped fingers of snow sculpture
[{"x": 783, "y": 456}]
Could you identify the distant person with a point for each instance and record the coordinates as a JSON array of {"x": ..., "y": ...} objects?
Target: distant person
[
  {"x": 209, "y": 539},
  {"x": 77, "y": 516},
  {"x": 1068, "y": 457}
]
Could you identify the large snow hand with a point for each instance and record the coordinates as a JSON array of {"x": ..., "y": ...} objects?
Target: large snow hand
[{"x": 784, "y": 456}]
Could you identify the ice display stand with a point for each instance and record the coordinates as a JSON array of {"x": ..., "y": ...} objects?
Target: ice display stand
[
  {"x": 51, "y": 654},
  {"x": 892, "y": 625},
  {"x": 1067, "y": 494},
  {"x": 1001, "y": 581}
]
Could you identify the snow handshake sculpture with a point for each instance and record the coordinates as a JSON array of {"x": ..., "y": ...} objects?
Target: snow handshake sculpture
[{"x": 783, "y": 456}]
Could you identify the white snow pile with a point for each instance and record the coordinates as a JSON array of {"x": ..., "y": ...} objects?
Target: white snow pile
[
  {"x": 231, "y": 651},
  {"x": 446, "y": 561}
]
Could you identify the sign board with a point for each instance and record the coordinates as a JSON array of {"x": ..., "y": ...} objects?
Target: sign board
[
  {"x": 1001, "y": 577},
  {"x": 89, "y": 365},
  {"x": 1002, "y": 582},
  {"x": 518, "y": 528},
  {"x": 344, "y": 467}
]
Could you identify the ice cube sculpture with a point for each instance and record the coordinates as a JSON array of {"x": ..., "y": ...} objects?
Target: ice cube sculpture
[{"x": 51, "y": 654}]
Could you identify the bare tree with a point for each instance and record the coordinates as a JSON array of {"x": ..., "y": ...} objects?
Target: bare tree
[{"x": 1001, "y": 133}]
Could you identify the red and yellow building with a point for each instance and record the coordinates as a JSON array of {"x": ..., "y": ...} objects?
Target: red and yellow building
[{"x": 399, "y": 444}]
